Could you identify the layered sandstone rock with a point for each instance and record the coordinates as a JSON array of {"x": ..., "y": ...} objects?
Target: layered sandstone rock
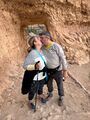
[{"x": 67, "y": 20}]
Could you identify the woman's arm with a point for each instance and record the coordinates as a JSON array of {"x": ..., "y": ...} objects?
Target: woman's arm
[{"x": 29, "y": 62}]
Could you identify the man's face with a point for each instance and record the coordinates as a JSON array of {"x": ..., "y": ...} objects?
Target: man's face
[{"x": 44, "y": 40}]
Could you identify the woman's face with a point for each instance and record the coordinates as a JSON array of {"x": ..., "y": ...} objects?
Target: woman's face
[{"x": 37, "y": 42}]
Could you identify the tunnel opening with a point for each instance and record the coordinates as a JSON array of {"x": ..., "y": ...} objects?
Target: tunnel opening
[{"x": 30, "y": 30}]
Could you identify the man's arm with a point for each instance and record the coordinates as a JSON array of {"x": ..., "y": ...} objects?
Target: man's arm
[{"x": 63, "y": 60}]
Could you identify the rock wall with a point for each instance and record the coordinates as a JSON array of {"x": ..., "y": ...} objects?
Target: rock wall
[
  {"x": 67, "y": 20},
  {"x": 12, "y": 47}
]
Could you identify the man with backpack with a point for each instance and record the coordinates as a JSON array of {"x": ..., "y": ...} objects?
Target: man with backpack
[{"x": 56, "y": 64}]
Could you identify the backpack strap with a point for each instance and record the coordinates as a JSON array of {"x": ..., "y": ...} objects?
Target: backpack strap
[
  {"x": 43, "y": 61},
  {"x": 41, "y": 56}
]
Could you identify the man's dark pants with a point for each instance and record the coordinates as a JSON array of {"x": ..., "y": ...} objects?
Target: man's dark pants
[{"x": 58, "y": 77}]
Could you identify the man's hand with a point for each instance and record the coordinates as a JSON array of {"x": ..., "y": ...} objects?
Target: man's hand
[{"x": 65, "y": 74}]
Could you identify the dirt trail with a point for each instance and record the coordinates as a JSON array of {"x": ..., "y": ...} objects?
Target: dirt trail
[{"x": 77, "y": 102}]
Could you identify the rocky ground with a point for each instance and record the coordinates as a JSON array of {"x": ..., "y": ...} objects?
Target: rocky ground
[{"x": 14, "y": 106}]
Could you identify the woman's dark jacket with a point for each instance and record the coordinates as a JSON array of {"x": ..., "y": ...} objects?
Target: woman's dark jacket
[{"x": 28, "y": 79}]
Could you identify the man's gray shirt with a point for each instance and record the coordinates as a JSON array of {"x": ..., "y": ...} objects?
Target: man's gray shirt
[{"x": 55, "y": 57}]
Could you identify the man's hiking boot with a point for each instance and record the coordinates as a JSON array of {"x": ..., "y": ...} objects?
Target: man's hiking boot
[
  {"x": 43, "y": 100},
  {"x": 32, "y": 106},
  {"x": 61, "y": 101},
  {"x": 50, "y": 95}
]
